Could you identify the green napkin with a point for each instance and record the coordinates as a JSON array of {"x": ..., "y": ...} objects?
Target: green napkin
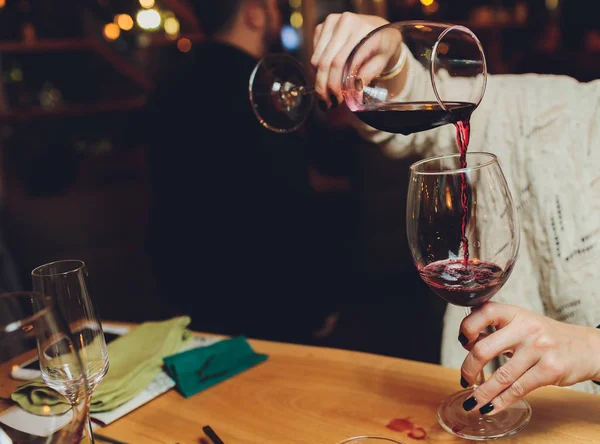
[
  {"x": 135, "y": 360},
  {"x": 197, "y": 369}
]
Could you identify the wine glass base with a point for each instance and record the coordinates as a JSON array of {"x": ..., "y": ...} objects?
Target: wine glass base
[{"x": 471, "y": 425}]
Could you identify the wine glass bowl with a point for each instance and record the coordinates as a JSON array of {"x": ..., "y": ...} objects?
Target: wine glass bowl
[
  {"x": 463, "y": 233},
  {"x": 280, "y": 93},
  {"x": 29, "y": 322},
  {"x": 434, "y": 226}
]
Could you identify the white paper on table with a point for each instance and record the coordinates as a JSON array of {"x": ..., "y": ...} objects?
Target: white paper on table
[
  {"x": 4, "y": 438},
  {"x": 19, "y": 419}
]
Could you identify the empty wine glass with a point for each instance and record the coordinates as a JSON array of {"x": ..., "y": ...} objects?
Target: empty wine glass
[
  {"x": 30, "y": 321},
  {"x": 465, "y": 251},
  {"x": 419, "y": 57},
  {"x": 66, "y": 281}
]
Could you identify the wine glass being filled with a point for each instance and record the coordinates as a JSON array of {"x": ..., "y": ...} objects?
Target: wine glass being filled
[{"x": 463, "y": 233}]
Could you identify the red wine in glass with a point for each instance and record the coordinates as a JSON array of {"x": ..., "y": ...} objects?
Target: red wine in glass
[{"x": 467, "y": 286}]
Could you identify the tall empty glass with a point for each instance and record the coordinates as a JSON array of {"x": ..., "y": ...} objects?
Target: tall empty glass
[
  {"x": 30, "y": 325},
  {"x": 67, "y": 282}
]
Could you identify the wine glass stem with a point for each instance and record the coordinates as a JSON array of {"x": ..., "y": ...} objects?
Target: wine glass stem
[
  {"x": 88, "y": 422},
  {"x": 481, "y": 376}
]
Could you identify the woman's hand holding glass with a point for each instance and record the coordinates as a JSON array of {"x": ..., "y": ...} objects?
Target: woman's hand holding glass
[{"x": 542, "y": 352}]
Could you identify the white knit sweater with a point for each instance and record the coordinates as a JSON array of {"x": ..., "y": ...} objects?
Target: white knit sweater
[{"x": 545, "y": 131}]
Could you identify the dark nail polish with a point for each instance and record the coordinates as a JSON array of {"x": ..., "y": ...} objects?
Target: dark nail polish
[
  {"x": 322, "y": 105},
  {"x": 469, "y": 404},
  {"x": 463, "y": 339},
  {"x": 486, "y": 408},
  {"x": 334, "y": 101},
  {"x": 463, "y": 382}
]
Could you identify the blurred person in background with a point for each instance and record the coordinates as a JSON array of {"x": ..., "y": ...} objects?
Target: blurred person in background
[{"x": 234, "y": 236}]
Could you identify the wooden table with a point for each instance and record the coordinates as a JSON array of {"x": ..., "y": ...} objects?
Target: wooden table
[{"x": 310, "y": 395}]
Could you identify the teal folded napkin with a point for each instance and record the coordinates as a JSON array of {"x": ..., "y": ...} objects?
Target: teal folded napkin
[{"x": 200, "y": 368}]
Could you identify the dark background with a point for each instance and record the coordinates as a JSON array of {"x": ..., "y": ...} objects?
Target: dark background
[{"x": 74, "y": 170}]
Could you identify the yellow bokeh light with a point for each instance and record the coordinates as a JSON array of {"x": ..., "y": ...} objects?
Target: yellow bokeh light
[
  {"x": 296, "y": 19},
  {"x": 148, "y": 19},
  {"x": 16, "y": 75},
  {"x": 111, "y": 31},
  {"x": 432, "y": 8},
  {"x": 124, "y": 21},
  {"x": 426, "y": 2},
  {"x": 2, "y": 3},
  {"x": 171, "y": 26},
  {"x": 184, "y": 45},
  {"x": 295, "y": 3},
  {"x": 552, "y": 4},
  {"x": 147, "y": 3}
]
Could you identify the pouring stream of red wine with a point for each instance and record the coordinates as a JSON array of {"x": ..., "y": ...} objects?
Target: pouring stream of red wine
[
  {"x": 463, "y": 133},
  {"x": 412, "y": 117},
  {"x": 463, "y": 282}
]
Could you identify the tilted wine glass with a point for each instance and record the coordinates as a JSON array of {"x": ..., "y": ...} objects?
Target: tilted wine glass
[
  {"x": 377, "y": 78},
  {"x": 434, "y": 222}
]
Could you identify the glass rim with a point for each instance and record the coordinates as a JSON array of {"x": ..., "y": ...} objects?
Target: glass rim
[
  {"x": 39, "y": 271},
  {"x": 435, "y": 50},
  {"x": 13, "y": 326},
  {"x": 417, "y": 23},
  {"x": 381, "y": 438},
  {"x": 414, "y": 168}
]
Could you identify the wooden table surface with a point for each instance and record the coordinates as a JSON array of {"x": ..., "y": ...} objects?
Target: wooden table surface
[{"x": 310, "y": 395}]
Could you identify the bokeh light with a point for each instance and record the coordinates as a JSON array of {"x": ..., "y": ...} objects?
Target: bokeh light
[
  {"x": 296, "y": 19},
  {"x": 148, "y": 19},
  {"x": 111, "y": 31},
  {"x": 124, "y": 21},
  {"x": 147, "y": 3},
  {"x": 290, "y": 38},
  {"x": 184, "y": 45},
  {"x": 431, "y": 8},
  {"x": 171, "y": 26}
]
